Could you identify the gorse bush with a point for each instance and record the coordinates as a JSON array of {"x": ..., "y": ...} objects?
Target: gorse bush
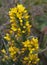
[{"x": 20, "y": 49}]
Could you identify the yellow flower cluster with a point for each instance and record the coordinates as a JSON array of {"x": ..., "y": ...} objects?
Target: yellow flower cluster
[
  {"x": 33, "y": 43},
  {"x": 32, "y": 46},
  {"x": 20, "y": 25},
  {"x": 3, "y": 51},
  {"x": 19, "y": 11},
  {"x": 12, "y": 51},
  {"x": 31, "y": 59},
  {"x": 7, "y": 37},
  {"x": 29, "y": 45},
  {"x": 5, "y": 56},
  {"x": 20, "y": 29},
  {"x": 19, "y": 20}
]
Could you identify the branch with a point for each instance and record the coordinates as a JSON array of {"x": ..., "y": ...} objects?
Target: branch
[{"x": 41, "y": 51}]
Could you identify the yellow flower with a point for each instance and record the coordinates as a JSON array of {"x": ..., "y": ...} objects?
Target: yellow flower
[
  {"x": 25, "y": 11},
  {"x": 21, "y": 20},
  {"x": 26, "y": 16},
  {"x": 31, "y": 51},
  {"x": 12, "y": 10},
  {"x": 13, "y": 24},
  {"x": 10, "y": 31},
  {"x": 13, "y": 28},
  {"x": 27, "y": 23},
  {"x": 20, "y": 8},
  {"x": 24, "y": 26},
  {"x": 12, "y": 54},
  {"x": 35, "y": 40},
  {"x": 23, "y": 31},
  {"x": 25, "y": 58},
  {"x": 11, "y": 20},
  {"x": 26, "y": 43},
  {"x": 11, "y": 49},
  {"x": 18, "y": 15},
  {"x": 19, "y": 29},
  {"x": 7, "y": 37},
  {"x": 3, "y": 51}
]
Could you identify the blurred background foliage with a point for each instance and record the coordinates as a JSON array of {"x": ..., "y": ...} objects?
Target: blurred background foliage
[{"x": 38, "y": 17}]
